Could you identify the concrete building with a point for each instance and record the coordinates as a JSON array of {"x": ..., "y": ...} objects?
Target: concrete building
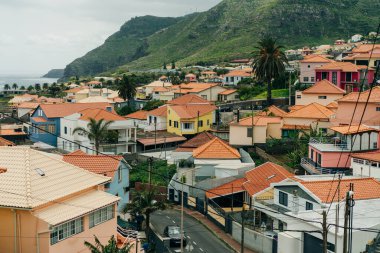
[{"x": 308, "y": 66}]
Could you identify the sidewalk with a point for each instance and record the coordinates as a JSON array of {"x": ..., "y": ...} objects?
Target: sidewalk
[{"x": 226, "y": 238}]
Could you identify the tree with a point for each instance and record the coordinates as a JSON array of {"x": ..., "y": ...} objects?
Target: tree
[
  {"x": 37, "y": 86},
  {"x": 125, "y": 110},
  {"x": 153, "y": 104},
  {"x": 111, "y": 247},
  {"x": 14, "y": 86},
  {"x": 30, "y": 88},
  {"x": 54, "y": 90},
  {"x": 96, "y": 131},
  {"x": 45, "y": 86},
  {"x": 173, "y": 64},
  {"x": 164, "y": 66},
  {"x": 144, "y": 202},
  {"x": 269, "y": 62},
  {"x": 127, "y": 89},
  {"x": 22, "y": 87},
  {"x": 7, "y": 87}
]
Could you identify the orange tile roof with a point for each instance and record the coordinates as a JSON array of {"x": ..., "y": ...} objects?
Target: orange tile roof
[
  {"x": 194, "y": 87},
  {"x": 159, "y": 112},
  {"x": 190, "y": 111},
  {"x": 364, "y": 188},
  {"x": 99, "y": 164},
  {"x": 75, "y": 90},
  {"x": 362, "y": 56},
  {"x": 242, "y": 73},
  {"x": 311, "y": 111},
  {"x": 28, "y": 105},
  {"x": 77, "y": 152},
  {"x": 94, "y": 82},
  {"x": 8, "y": 132},
  {"x": 343, "y": 66},
  {"x": 39, "y": 119},
  {"x": 257, "y": 121},
  {"x": 137, "y": 115},
  {"x": 260, "y": 178},
  {"x": 227, "y": 92},
  {"x": 188, "y": 99},
  {"x": 295, "y": 107},
  {"x": 216, "y": 149},
  {"x": 332, "y": 105},
  {"x": 161, "y": 89},
  {"x": 314, "y": 58},
  {"x": 365, "y": 48},
  {"x": 324, "y": 87},
  {"x": 353, "y": 96},
  {"x": 5, "y": 142},
  {"x": 370, "y": 156},
  {"x": 272, "y": 111},
  {"x": 195, "y": 142},
  {"x": 62, "y": 110},
  {"x": 353, "y": 129},
  {"x": 234, "y": 186},
  {"x": 99, "y": 114}
]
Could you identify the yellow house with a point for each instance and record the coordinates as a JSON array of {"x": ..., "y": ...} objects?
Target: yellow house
[{"x": 189, "y": 115}]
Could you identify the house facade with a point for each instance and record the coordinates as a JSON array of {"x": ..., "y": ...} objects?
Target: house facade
[
  {"x": 366, "y": 164},
  {"x": 235, "y": 76},
  {"x": 156, "y": 119},
  {"x": 228, "y": 95},
  {"x": 308, "y": 66}
]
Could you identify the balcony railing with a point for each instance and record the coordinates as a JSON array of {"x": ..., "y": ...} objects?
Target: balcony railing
[
  {"x": 329, "y": 144},
  {"x": 314, "y": 168}
]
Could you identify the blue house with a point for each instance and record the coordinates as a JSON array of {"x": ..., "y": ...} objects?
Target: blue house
[
  {"x": 46, "y": 119},
  {"x": 112, "y": 166}
]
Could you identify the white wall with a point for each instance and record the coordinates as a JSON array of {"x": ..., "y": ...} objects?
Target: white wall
[
  {"x": 301, "y": 203},
  {"x": 365, "y": 139},
  {"x": 291, "y": 242},
  {"x": 365, "y": 168},
  {"x": 305, "y": 99},
  {"x": 252, "y": 239}
]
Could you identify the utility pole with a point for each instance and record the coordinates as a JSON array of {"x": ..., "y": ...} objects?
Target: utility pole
[
  {"x": 182, "y": 215},
  {"x": 337, "y": 214},
  {"x": 252, "y": 124},
  {"x": 242, "y": 229},
  {"x": 324, "y": 232},
  {"x": 155, "y": 133},
  {"x": 346, "y": 217},
  {"x": 232, "y": 197},
  {"x": 150, "y": 161}
]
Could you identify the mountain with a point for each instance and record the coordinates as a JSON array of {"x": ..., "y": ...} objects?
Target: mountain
[
  {"x": 228, "y": 30},
  {"x": 54, "y": 73}
]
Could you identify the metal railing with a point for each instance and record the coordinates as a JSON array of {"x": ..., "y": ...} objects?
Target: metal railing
[{"x": 312, "y": 167}]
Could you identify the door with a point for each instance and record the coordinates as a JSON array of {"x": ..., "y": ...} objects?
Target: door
[{"x": 171, "y": 195}]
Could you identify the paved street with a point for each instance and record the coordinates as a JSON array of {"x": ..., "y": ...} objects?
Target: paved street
[{"x": 199, "y": 238}]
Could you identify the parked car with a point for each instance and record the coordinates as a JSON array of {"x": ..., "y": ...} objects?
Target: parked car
[{"x": 174, "y": 233}]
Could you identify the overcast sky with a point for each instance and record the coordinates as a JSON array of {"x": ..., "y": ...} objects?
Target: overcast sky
[{"x": 38, "y": 35}]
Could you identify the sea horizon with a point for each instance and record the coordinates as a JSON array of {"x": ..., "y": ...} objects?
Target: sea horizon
[{"x": 24, "y": 80}]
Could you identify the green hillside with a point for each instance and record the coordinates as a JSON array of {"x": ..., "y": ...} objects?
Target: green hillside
[{"x": 227, "y": 31}]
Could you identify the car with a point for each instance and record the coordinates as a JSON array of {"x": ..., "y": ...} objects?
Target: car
[{"x": 174, "y": 233}]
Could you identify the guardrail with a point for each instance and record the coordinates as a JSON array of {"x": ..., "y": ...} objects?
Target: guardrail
[{"x": 313, "y": 168}]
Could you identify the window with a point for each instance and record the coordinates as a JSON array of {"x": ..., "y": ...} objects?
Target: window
[
  {"x": 348, "y": 76},
  {"x": 65, "y": 130},
  {"x": 66, "y": 230},
  {"x": 200, "y": 123},
  {"x": 309, "y": 206},
  {"x": 204, "y": 97},
  {"x": 170, "y": 122},
  {"x": 325, "y": 75},
  {"x": 176, "y": 124},
  {"x": 322, "y": 97},
  {"x": 323, "y": 130},
  {"x": 319, "y": 159},
  {"x": 187, "y": 126},
  {"x": 312, "y": 79},
  {"x": 378, "y": 109},
  {"x": 237, "y": 97},
  {"x": 120, "y": 173},
  {"x": 249, "y": 132},
  {"x": 51, "y": 129},
  {"x": 208, "y": 122},
  {"x": 305, "y": 79},
  {"x": 298, "y": 96},
  {"x": 283, "y": 198},
  {"x": 374, "y": 145},
  {"x": 101, "y": 215},
  {"x": 39, "y": 113},
  {"x": 232, "y": 79},
  {"x": 334, "y": 78},
  {"x": 126, "y": 189},
  {"x": 308, "y": 66},
  {"x": 360, "y": 161},
  {"x": 312, "y": 154}
]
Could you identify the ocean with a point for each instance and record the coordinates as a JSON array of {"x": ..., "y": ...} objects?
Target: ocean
[{"x": 24, "y": 80}]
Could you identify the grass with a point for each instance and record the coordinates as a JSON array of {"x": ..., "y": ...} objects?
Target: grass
[{"x": 281, "y": 93}]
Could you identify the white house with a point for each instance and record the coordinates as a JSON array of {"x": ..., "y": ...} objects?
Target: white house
[
  {"x": 123, "y": 140},
  {"x": 156, "y": 119},
  {"x": 366, "y": 164},
  {"x": 235, "y": 76}
]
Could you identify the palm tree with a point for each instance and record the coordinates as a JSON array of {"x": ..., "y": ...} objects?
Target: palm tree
[
  {"x": 127, "y": 89},
  {"x": 111, "y": 247},
  {"x": 22, "y": 87},
  {"x": 7, "y": 87},
  {"x": 37, "y": 86},
  {"x": 144, "y": 202},
  {"x": 269, "y": 63},
  {"x": 96, "y": 131},
  {"x": 15, "y": 86}
]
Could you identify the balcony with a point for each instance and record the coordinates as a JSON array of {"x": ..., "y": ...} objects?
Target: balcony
[
  {"x": 329, "y": 145},
  {"x": 313, "y": 168}
]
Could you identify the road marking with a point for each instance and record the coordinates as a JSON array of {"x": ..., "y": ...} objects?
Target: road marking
[
  {"x": 168, "y": 217},
  {"x": 201, "y": 249},
  {"x": 173, "y": 221}
]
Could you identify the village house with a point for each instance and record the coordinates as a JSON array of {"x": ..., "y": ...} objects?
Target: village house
[
  {"x": 228, "y": 95},
  {"x": 50, "y": 206},
  {"x": 361, "y": 55},
  {"x": 189, "y": 115},
  {"x": 156, "y": 119},
  {"x": 366, "y": 164},
  {"x": 190, "y": 78},
  {"x": 254, "y": 130},
  {"x": 235, "y": 76},
  {"x": 345, "y": 75},
  {"x": 113, "y": 166},
  {"x": 323, "y": 92},
  {"x": 147, "y": 90},
  {"x": 46, "y": 119},
  {"x": 121, "y": 139},
  {"x": 26, "y": 109},
  {"x": 207, "y": 91},
  {"x": 308, "y": 66},
  {"x": 137, "y": 119},
  {"x": 208, "y": 75},
  {"x": 13, "y": 132}
]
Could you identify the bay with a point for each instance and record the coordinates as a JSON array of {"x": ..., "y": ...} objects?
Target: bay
[{"x": 24, "y": 80}]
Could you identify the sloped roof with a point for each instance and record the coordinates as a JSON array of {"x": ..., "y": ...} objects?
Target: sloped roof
[
  {"x": 159, "y": 84},
  {"x": 5, "y": 142},
  {"x": 99, "y": 164},
  {"x": 354, "y": 129},
  {"x": 262, "y": 176},
  {"x": 241, "y": 73},
  {"x": 142, "y": 115},
  {"x": 190, "y": 111},
  {"x": 194, "y": 87},
  {"x": 315, "y": 58},
  {"x": 227, "y": 92},
  {"x": 195, "y": 142},
  {"x": 216, "y": 149},
  {"x": 365, "y": 48},
  {"x": 295, "y": 107},
  {"x": 62, "y": 110},
  {"x": 257, "y": 121},
  {"x": 371, "y": 156},
  {"x": 343, "y": 66},
  {"x": 99, "y": 114},
  {"x": 188, "y": 99},
  {"x": 363, "y": 96},
  {"x": 272, "y": 110},
  {"x": 22, "y": 186},
  {"x": 94, "y": 99},
  {"x": 364, "y": 188},
  {"x": 332, "y": 105},
  {"x": 324, "y": 87},
  {"x": 234, "y": 186},
  {"x": 159, "y": 112},
  {"x": 311, "y": 111},
  {"x": 28, "y": 105}
]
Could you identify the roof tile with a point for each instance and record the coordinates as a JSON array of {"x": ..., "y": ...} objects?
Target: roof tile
[
  {"x": 324, "y": 87},
  {"x": 216, "y": 149}
]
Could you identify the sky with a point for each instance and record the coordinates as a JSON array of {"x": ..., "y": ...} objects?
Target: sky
[{"x": 39, "y": 35}]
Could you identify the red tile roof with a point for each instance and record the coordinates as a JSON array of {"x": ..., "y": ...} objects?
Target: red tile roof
[
  {"x": 99, "y": 114},
  {"x": 216, "y": 149},
  {"x": 241, "y": 73},
  {"x": 370, "y": 156},
  {"x": 5, "y": 142},
  {"x": 364, "y": 188},
  {"x": 324, "y": 87},
  {"x": 353, "y": 129},
  {"x": 190, "y": 111},
  {"x": 260, "y": 178},
  {"x": 353, "y": 96},
  {"x": 343, "y": 66},
  {"x": 195, "y": 142},
  {"x": 314, "y": 58},
  {"x": 39, "y": 119},
  {"x": 159, "y": 112},
  {"x": 188, "y": 99},
  {"x": 227, "y": 92},
  {"x": 142, "y": 115},
  {"x": 63, "y": 110},
  {"x": 272, "y": 111},
  {"x": 99, "y": 164},
  {"x": 365, "y": 48},
  {"x": 234, "y": 186},
  {"x": 311, "y": 111},
  {"x": 257, "y": 121}
]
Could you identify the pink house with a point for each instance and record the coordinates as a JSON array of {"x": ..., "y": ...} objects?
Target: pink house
[
  {"x": 308, "y": 66},
  {"x": 345, "y": 75},
  {"x": 328, "y": 155}
]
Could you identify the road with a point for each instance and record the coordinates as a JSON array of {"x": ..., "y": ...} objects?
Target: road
[{"x": 199, "y": 238}]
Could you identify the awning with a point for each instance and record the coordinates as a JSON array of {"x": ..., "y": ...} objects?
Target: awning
[{"x": 70, "y": 209}]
